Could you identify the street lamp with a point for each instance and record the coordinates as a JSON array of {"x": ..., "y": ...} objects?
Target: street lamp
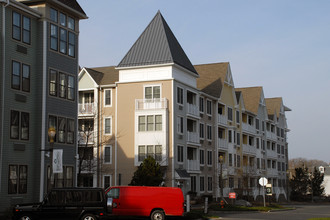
[
  {"x": 220, "y": 177},
  {"x": 51, "y": 135}
]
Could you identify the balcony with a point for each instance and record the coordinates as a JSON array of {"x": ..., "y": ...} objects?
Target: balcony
[
  {"x": 222, "y": 119},
  {"x": 86, "y": 108},
  {"x": 83, "y": 136},
  {"x": 271, "y": 135},
  {"x": 222, "y": 143},
  {"x": 248, "y": 149},
  {"x": 193, "y": 137},
  {"x": 145, "y": 104},
  {"x": 193, "y": 165},
  {"x": 193, "y": 110},
  {"x": 248, "y": 128}
]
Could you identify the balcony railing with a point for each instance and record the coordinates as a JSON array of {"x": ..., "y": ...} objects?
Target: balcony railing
[
  {"x": 248, "y": 128},
  {"x": 271, "y": 135},
  {"x": 86, "y": 108},
  {"x": 248, "y": 149},
  {"x": 222, "y": 119},
  {"x": 192, "y": 109},
  {"x": 193, "y": 165},
  {"x": 83, "y": 136},
  {"x": 222, "y": 143},
  {"x": 192, "y": 137},
  {"x": 143, "y": 104}
]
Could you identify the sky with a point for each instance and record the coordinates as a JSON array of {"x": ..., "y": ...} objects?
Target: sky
[{"x": 281, "y": 45}]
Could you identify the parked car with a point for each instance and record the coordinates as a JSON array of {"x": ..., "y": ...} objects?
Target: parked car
[
  {"x": 156, "y": 202},
  {"x": 66, "y": 203}
]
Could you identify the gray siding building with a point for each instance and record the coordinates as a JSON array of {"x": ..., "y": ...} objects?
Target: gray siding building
[{"x": 38, "y": 81}]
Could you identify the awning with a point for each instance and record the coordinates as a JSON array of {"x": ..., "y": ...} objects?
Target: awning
[{"x": 181, "y": 174}]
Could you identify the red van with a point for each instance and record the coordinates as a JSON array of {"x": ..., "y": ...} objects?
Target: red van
[{"x": 156, "y": 202}]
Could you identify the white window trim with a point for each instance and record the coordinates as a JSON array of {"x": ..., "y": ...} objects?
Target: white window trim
[
  {"x": 181, "y": 104},
  {"x": 177, "y": 156},
  {"x": 152, "y": 85},
  {"x": 208, "y": 100},
  {"x": 110, "y": 154},
  {"x": 201, "y": 164},
  {"x": 110, "y": 117},
  {"x": 104, "y": 180},
  {"x": 178, "y": 122},
  {"x": 209, "y": 191},
  {"x": 207, "y": 132},
  {"x": 105, "y": 97},
  {"x": 207, "y": 158},
  {"x": 200, "y": 183},
  {"x": 202, "y": 138}
]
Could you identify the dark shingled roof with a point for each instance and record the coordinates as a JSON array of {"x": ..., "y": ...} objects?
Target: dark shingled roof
[
  {"x": 73, "y": 4},
  {"x": 212, "y": 77},
  {"x": 157, "y": 45},
  {"x": 104, "y": 75}
]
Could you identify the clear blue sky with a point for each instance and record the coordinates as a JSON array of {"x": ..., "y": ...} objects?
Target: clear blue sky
[{"x": 282, "y": 45}]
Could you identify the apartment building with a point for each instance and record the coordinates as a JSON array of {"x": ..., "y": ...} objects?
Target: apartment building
[
  {"x": 210, "y": 137},
  {"x": 39, "y": 64}
]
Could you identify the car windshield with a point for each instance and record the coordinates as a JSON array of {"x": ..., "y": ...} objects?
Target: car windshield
[{"x": 113, "y": 193}]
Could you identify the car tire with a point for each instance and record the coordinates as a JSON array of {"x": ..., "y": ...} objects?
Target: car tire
[
  {"x": 88, "y": 217},
  {"x": 25, "y": 217},
  {"x": 157, "y": 215}
]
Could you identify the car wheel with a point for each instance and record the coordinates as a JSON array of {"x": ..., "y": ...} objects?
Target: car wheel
[
  {"x": 88, "y": 217},
  {"x": 25, "y": 217},
  {"x": 157, "y": 215}
]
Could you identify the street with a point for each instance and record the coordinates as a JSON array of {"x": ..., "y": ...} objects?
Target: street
[{"x": 302, "y": 212}]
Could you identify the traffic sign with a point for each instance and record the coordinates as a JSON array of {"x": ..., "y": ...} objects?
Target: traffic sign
[
  {"x": 263, "y": 181},
  {"x": 269, "y": 189}
]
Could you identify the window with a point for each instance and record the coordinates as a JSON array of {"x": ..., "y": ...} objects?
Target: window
[
  {"x": 209, "y": 184},
  {"x": 201, "y": 131},
  {"x": 142, "y": 123},
  {"x": 193, "y": 183},
  {"x": 230, "y": 114},
  {"x": 231, "y": 182},
  {"x": 150, "y": 123},
  {"x": 201, "y": 104},
  {"x": 209, "y": 132},
  {"x": 70, "y": 131},
  {"x": 237, "y": 117},
  {"x": 142, "y": 153},
  {"x": 67, "y": 39},
  {"x": 106, "y": 181},
  {"x": 17, "y": 179},
  {"x": 180, "y": 125},
  {"x": 63, "y": 83},
  {"x": 209, "y": 158},
  {"x": 53, "y": 83},
  {"x": 107, "y": 154},
  {"x": 107, "y": 126},
  {"x": 179, "y": 98},
  {"x": 201, "y": 183},
  {"x": 71, "y": 88},
  {"x": 238, "y": 139},
  {"x": 61, "y": 129},
  {"x": 201, "y": 157},
  {"x": 230, "y": 159},
  {"x": 61, "y": 180},
  {"x": 230, "y": 136},
  {"x": 209, "y": 107},
  {"x": 257, "y": 124},
  {"x": 107, "y": 97},
  {"x": 152, "y": 92},
  {"x": 19, "y": 125},
  {"x": 180, "y": 154},
  {"x": 64, "y": 127},
  {"x": 238, "y": 161},
  {"x": 19, "y": 31},
  {"x": 20, "y": 76},
  {"x": 154, "y": 151},
  {"x": 258, "y": 163},
  {"x": 53, "y": 37}
]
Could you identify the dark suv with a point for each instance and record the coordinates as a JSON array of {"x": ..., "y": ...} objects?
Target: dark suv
[{"x": 66, "y": 203}]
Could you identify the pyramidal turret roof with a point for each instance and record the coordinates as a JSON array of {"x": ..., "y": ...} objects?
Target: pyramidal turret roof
[{"x": 157, "y": 45}]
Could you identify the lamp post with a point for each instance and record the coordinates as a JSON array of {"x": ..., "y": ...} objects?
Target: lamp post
[
  {"x": 51, "y": 135},
  {"x": 220, "y": 177}
]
